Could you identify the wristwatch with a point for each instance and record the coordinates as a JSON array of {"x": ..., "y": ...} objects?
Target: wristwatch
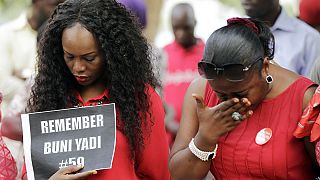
[{"x": 202, "y": 155}]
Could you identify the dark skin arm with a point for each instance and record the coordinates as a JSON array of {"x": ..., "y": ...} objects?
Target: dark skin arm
[{"x": 206, "y": 125}]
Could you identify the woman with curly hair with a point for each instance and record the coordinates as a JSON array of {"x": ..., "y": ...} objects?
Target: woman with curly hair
[{"x": 92, "y": 52}]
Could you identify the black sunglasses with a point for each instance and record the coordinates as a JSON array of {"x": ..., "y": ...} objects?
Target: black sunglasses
[{"x": 232, "y": 72}]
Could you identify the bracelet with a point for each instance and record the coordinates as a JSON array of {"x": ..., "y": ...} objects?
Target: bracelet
[{"x": 202, "y": 155}]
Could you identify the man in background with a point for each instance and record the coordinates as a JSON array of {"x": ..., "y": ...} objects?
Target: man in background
[
  {"x": 310, "y": 13},
  {"x": 297, "y": 45},
  {"x": 18, "y": 47},
  {"x": 182, "y": 54}
]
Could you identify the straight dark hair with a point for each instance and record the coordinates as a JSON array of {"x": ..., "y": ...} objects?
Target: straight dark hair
[{"x": 237, "y": 43}]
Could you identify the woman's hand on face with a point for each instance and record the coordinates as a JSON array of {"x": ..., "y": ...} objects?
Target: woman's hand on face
[
  {"x": 216, "y": 121},
  {"x": 69, "y": 173}
]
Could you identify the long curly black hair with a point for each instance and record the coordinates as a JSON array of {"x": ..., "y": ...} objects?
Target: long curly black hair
[{"x": 125, "y": 51}]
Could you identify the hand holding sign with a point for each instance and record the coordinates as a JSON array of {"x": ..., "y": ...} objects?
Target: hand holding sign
[
  {"x": 55, "y": 142},
  {"x": 70, "y": 173}
]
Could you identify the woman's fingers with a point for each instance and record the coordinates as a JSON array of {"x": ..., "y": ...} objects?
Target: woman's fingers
[
  {"x": 246, "y": 102},
  {"x": 70, "y": 172},
  {"x": 242, "y": 107},
  {"x": 82, "y": 175},
  {"x": 247, "y": 115},
  {"x": 199, "y": 100},
  {"x": 70, "y": 169},
  {"x": 225, "y": 105}
]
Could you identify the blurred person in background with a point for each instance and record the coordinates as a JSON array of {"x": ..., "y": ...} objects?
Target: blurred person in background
[
  {"x": 310, "y": 12},
  {"x": 297, "y": 44},
  {"x": 180, "y": 66},
  {"x": 210, "y": 15},
  {"x": 17, "y": 61},
  {"x": 8, "y": 169},
  {"x": 18, "y": 47}
]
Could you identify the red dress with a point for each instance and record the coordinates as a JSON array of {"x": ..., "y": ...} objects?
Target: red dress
[
  {"x": 282, "y": 157},
  {"x": 8, "y": 168},
  {"x": 152, "y": 163}
]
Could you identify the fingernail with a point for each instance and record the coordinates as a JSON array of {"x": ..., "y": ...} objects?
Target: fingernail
[
  {"x": 94, "y": 172},
  {"x": 197, "y": 100},
  {"x": 235, "y": 100}
]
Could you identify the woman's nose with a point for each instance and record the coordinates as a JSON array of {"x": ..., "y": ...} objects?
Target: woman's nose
[{"x": 79, "y": 66}]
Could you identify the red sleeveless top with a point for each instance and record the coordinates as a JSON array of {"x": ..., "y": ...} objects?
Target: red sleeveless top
[{"x": 282, "y": 157}]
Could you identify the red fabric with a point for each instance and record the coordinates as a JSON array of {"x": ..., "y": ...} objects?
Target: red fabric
[
  {"x": 309, "y": 124},
  {"x": 318, "y": 152},
  {"x": 282, "y": 157},
  {"x": 8, "y": 168},
  {"x": 182, "y": 68},
  {"x": 310, "y": 11},
  {"x": 152, "y": 163},
  {"x": 24, "y": 171},
  {"x": 245, "y": 22}
]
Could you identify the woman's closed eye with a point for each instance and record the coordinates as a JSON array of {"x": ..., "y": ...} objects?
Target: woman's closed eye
[
  {"x": 68, "y": 57},
  {"x": 224, "y": 97},
  {"x": 89, "y": 58}
]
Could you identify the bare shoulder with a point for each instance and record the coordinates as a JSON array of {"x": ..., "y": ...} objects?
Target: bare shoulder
[
  {"x": 189, "y": 119},
  {"x": 283, "y": 78},
  {"x": 308, "y": 95},
  {"x": 198, "y": 86},
  {"x": 287, "y": 78}
]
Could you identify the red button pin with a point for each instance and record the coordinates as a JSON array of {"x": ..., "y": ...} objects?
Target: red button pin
[{"x": 263, "y": 136}]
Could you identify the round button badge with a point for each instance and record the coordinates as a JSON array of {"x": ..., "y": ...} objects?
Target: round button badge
[{"x": 263, "y": 136}]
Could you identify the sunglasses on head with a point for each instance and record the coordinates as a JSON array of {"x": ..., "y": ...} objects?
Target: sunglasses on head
[{"x": 232, "y": 72}]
